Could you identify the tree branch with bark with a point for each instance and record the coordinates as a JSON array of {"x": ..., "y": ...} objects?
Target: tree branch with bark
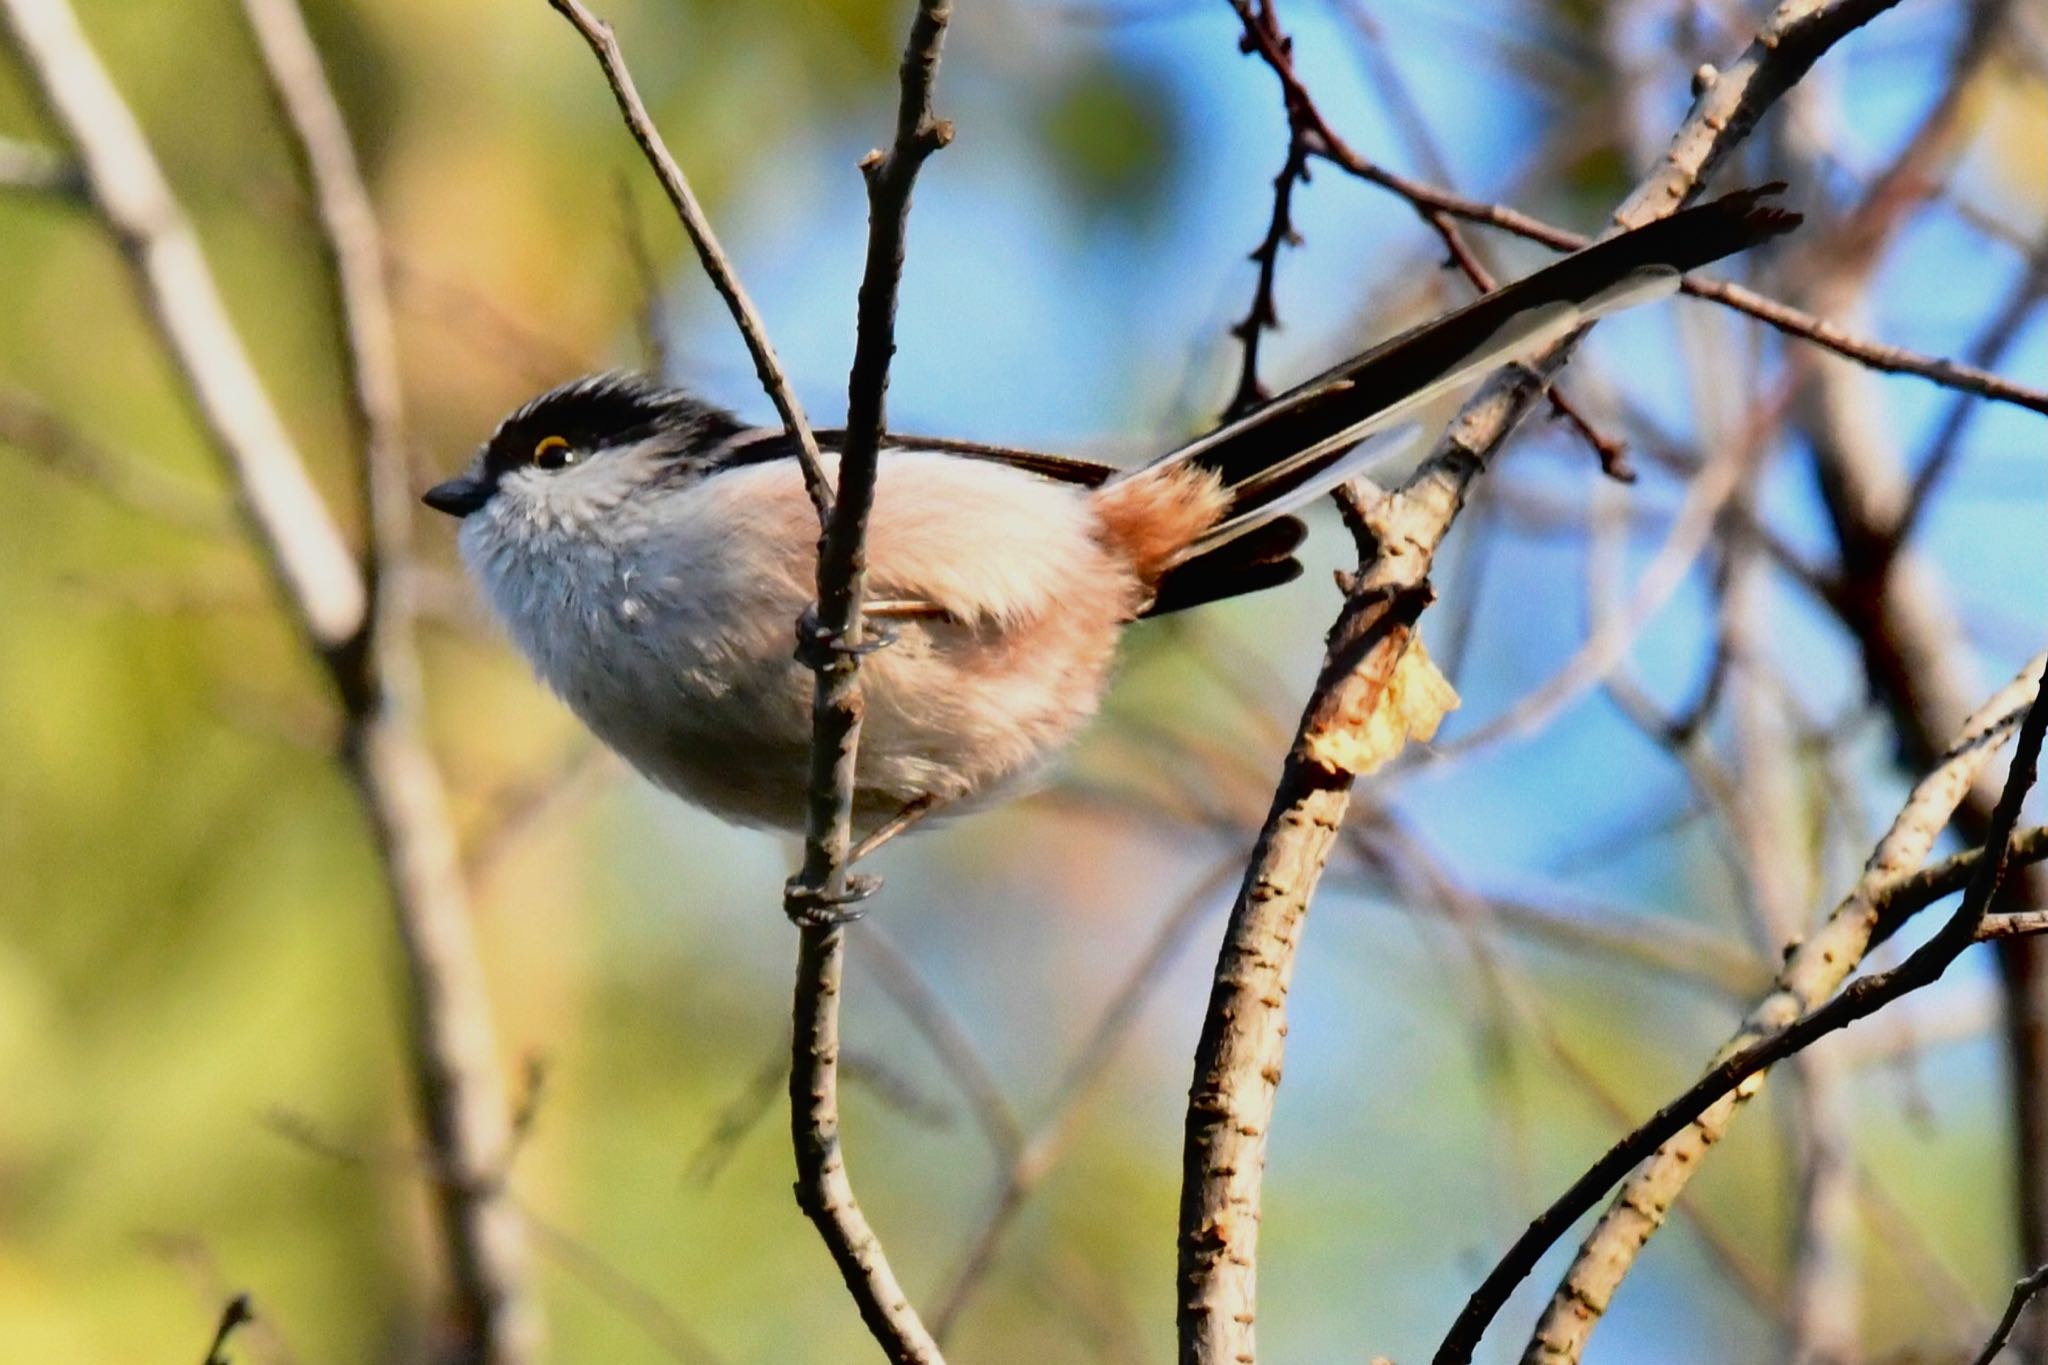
[
  {"x": 832, "y": 637},
  {"x": 1238, "y": 1061},
  {"x": 351, "y": 611}
]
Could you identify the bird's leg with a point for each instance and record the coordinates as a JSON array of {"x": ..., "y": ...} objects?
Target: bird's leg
[
  {"x": 818, "y": 648},
  {"x": 904, "y": 609},
  {"x": 913, "y": 811},
  {"x": 812, "y": 905}
]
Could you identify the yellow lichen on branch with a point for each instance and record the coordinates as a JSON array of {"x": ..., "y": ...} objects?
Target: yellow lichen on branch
[{"x": 1367, "y": 722}]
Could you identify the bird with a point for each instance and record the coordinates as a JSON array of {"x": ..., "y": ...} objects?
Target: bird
[{"x": 649, "y": 552}]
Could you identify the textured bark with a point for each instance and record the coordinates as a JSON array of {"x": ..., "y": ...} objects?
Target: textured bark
[
  {"x": 1815, "y": 970},
  {"x": 1239, "y": 1058}
]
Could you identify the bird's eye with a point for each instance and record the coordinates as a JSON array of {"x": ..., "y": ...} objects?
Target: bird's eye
[{"x": 554, "y": 452}]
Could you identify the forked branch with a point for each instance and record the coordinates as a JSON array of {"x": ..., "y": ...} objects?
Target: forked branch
[{"x": 1239, "y": 1061}]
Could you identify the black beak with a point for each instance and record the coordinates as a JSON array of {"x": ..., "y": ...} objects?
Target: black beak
[{"x": 459, "y": 496}]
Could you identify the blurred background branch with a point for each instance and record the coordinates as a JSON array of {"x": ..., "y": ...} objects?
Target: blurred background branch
[
  {"x": 1814, "y": 971},
  {"x": 357, "y": 621}
]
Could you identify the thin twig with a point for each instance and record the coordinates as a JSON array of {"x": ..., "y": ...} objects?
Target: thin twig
[
  {"x": 1238, "y": 1061},
  {"x": 1608, "y": 645},
  {"x": 1938, "y": 880},
  {"x": 493, "y": 332},
  {"x": 1413, "y": 126},
  {"x": 1992, "y": 343},
  {"x": 739, "y": 1116},
  {"x": 345, "y": 613},
  {"x": 1425, "y": 877},
  {"x": 456, "y": 1082},
  {"x": 818, "y": 895},
  {"x": 232, "y": 1318},
  {"x": 515, "y": 816},
  {"x": 1264, "y": 313},
  {"x": 1307, "y": 136},
  {"x": 947, "y": 1036},
  {"x": 45, "y": 437},
  {"x": 1033, "y": 1158},
  {"x": 301, "y": 543},
  {"x": 1873, "y": 355},
  {"x": 1784, "y": 317},
  {"x": 633, "y": 1301},
  {"x": 1674, "y": 949},
  {"x": 2022, "y": 1294},
  {"x": 1813, "y": 972},
  {"x": 717, "y": 266}
]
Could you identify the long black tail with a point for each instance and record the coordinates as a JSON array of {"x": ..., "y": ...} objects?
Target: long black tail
[{"x": 1306, "y": 441}]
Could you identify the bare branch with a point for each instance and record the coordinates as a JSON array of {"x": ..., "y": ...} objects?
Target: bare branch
[
  {"x": 1033, "y": 1159},
  {"x": 1238, "y": 1061},
  {"x": 2022, "y": 1294},
  {"x": 1731, "y": 1080},
  {"x": 1945, "y": 878},
  {"x": 818, "y": 897},
  {"x": 1264, "y": 314},
  {"x": 1506, "y": 988},
  {"x": 1239, "y": 1056},
  {"x": 913, "y": 995},
  {"x": 632, "y": 1300},
  {"x": 1814, "y": 971},
  {"x": 2012, "y": 924},
  {"x": 1809, "y": 28},
  {"x": 45, "y": 437},
  {"x": 517, "y": 814},
  {"x": 1948, "y": 441},
  {"x": 605, "y": 45},
  {"x": 831, "y": 635},
  {"x": 232, "y": 1318},
  {"x": 824, "y": 1190},
  {"x": 1873, "y": 355},
  {"x": 1308, "y": 134},
  {"x": 301, "y": 543},
  {"x": 453, "y": 1056},
  {"x": 1917, "y": 660},
  {"x": 453, "y": 1062},
  {"x": 354, "y": 253}
]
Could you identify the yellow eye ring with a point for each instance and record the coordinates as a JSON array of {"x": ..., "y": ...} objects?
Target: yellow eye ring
[{"x": 552, "y": 452}]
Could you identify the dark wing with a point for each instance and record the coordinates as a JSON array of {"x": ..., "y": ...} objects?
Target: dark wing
[{"x": 1058, "y": 468}]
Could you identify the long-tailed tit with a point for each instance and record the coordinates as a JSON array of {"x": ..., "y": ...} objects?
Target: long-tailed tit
[{"x": 650, "y": 554}]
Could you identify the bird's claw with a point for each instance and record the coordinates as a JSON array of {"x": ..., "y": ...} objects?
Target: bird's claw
[
  {"x": 815, "y": 907},
  {"x": 818, "y": 648}
]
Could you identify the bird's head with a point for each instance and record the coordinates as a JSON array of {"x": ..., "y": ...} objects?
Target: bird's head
[{"x": 585, "y": 447}]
